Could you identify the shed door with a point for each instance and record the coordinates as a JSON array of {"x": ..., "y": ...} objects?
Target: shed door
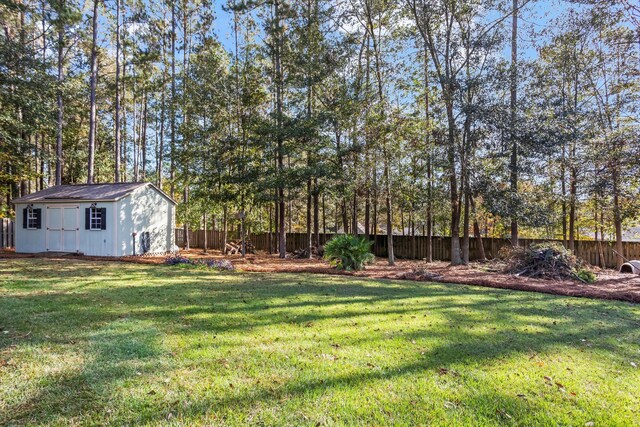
[{"x": 63, "y": 228}]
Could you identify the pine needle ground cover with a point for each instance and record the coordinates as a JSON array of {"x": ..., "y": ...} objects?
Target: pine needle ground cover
[{"x": 95, "y": 343}]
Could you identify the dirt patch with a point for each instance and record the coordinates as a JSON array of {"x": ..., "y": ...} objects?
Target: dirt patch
[{"x": 609, "y": 285}]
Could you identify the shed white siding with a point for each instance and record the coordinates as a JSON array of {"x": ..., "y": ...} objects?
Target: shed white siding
[
  {"x": 30, "y": 241},
  {"x": 144, "y": 210}
]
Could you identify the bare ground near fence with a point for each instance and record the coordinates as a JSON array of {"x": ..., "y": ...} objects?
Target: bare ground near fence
[{"x": 407, "y": 247}]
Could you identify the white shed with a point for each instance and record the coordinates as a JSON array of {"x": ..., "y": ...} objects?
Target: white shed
[{"x": 96, "y": 219}]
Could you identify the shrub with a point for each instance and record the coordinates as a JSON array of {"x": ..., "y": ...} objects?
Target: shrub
[
  {"x": 347, "y": 252},
  {"x": 586, "y": 275},
  {"x": 176, "y": 259}
]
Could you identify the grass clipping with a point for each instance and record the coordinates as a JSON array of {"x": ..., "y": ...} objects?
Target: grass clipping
[{"x": 550, "y": 261}]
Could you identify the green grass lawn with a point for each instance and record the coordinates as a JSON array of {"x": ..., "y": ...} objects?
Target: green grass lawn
[{"x": 88, "y": 343}]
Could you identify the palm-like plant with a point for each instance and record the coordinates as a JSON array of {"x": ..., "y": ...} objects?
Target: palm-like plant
[{"x": 347, "y": 252}]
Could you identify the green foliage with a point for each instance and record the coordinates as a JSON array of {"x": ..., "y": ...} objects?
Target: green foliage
[
  {"x": 348, "y": 252},
  {"x": 586, "y": 275}
]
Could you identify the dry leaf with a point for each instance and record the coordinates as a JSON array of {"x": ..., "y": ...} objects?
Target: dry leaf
[{"x": 503, "y": 413}]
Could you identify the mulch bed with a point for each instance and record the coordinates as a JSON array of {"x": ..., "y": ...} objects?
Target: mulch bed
[{"x": 609, "y": 285}]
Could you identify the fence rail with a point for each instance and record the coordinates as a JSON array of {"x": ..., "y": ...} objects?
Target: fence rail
[
  {"x": 409, "y": 247},
  {"x": 7, "y": 233}
]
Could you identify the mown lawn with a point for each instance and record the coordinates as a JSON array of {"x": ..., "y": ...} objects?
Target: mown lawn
[{"x": 88, "y": 343}]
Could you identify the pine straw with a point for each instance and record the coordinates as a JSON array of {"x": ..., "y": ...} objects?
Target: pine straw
[{"x": 610, "y": 284}]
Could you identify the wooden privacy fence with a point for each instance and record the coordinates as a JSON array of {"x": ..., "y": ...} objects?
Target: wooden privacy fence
[
  {"x": 7, "y": 233},
  {"x": 408, "y": 247},
  {"x": 215, "y": 239}
]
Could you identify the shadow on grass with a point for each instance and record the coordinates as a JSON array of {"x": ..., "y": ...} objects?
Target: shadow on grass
[{"x": 120, "y": 328}]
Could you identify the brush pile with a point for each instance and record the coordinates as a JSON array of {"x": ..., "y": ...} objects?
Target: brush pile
[
  {"x": 550, "y": 261},
  {"x": 316, "y": 251},
  {"x": 235, "y": 247}
]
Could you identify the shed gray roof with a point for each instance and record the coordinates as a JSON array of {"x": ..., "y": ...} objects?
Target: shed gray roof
[{"x": 87, "y": 192}]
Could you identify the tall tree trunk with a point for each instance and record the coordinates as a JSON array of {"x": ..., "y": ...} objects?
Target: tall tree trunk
[
  {"x": 156, "y": 127},
  {"x": 204, "y": 226},
  {"x": 386, "y": 160},
  {"x": 136, "y": 127},
  {"x": 123, "y": 101},
  {"x": 413, "y": 235},
  {"x": 390, "y": 255},
  {"x": 316, "y": 212},
  {"x": 427, "y": 117},
  {"x": 345, "y": 216},
  {"x": 45, "y": 145},
  {"x": 60, "y": 102},
  {"x": 324, "y": 216},
  {"x": 466, "y": 223},
  {"x": 513, "y": 178},
  {"x": 354, "y": 213},
  {"x": 456, "y": 256},
  {"x": 572, "y": 206},
  {"x": 92, "y": 97},
  {"x": 476, "y": 231},
  {"x": 270, "y": 232},
  {"x": 280, "y": 142},
  {"x": 563, "y": 180},
  {"x": 374, "y": 223},
  {"x": 367, "y": 213},
  {"x": 143, "y": 137},
  {"x": 276, "y": 222},
  {"x": 224, "y": 229},
  {"x": 117, "y": 82},
  {"x": 172, "y": 168},
  {"x": 617, "y": 216},
  {"x": 309, "y": 236},
  {"x": 160, "y": 157},
  {"x": 185, "y": 199}
]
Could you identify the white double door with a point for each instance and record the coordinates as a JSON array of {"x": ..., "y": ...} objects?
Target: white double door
[{"x": 63, "y": 228}]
